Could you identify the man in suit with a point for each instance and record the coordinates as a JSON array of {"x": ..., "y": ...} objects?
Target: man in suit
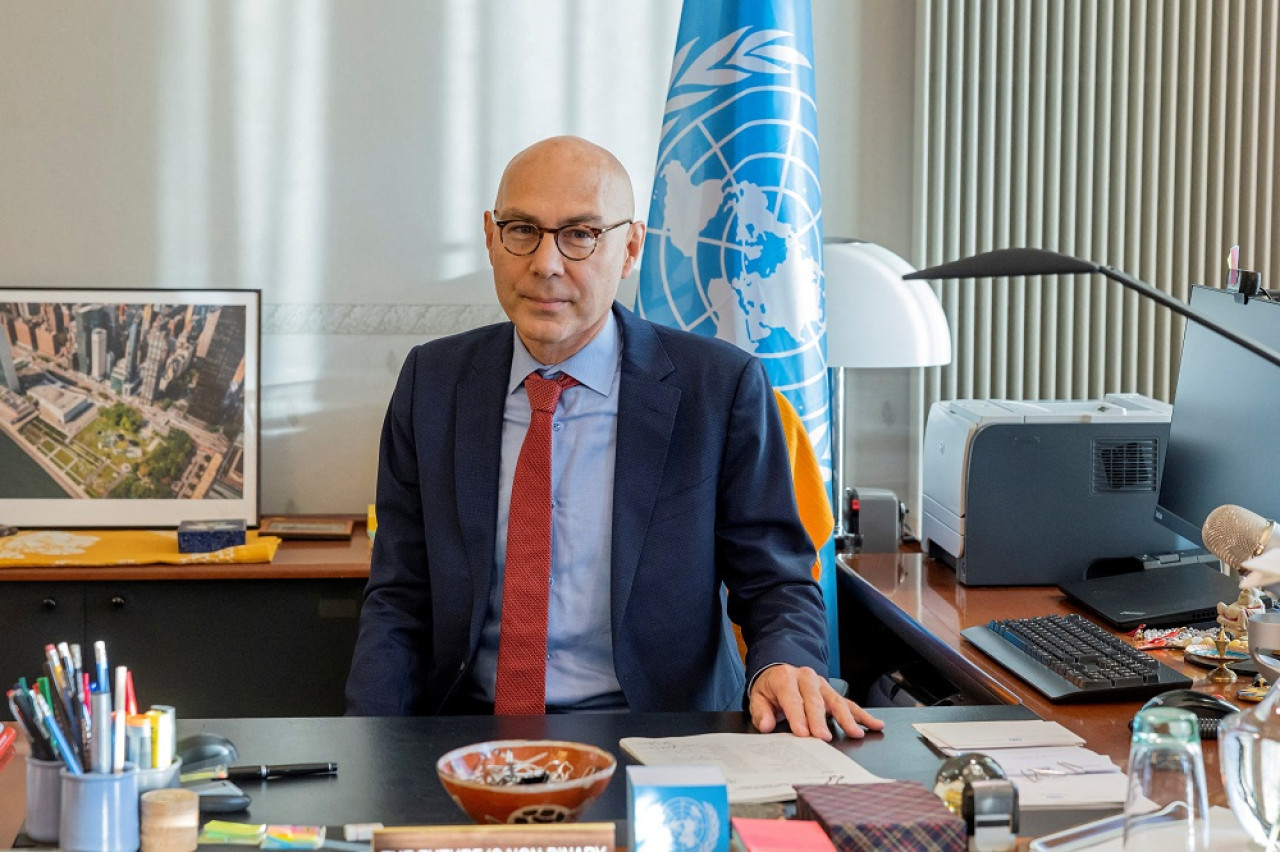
[{"x": 671, "y": 497}]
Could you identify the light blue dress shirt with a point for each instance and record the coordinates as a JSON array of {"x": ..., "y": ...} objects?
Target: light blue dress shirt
[{"x": 584, "y": 434}]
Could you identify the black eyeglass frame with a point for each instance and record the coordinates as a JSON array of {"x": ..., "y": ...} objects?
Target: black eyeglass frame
[{"x": 596, "y": 233}]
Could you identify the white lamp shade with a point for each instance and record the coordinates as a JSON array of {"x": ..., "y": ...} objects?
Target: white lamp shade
[{"x": 874, "y": 318}]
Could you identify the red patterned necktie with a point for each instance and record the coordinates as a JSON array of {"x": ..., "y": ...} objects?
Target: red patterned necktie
[{"x": 526, "y": 585}]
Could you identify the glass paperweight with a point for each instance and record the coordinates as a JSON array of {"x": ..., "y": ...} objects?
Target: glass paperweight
[
  {"x": 960, "y": 771},
  {"x": 1249, "y": 755}
]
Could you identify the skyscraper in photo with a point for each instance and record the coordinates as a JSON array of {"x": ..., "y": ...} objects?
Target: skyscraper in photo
[
  {"x": 8, "y": 374},
  {"x": 153, "y": 366},
  {"x": 220, "y": 363},
  {"x": 98, "y": 353},
  {"x": 131, "y": 349},
  {"x": 88, "y": 318}
]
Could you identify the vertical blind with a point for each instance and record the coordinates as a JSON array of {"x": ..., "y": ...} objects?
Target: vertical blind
[{"x": 1135, "y": 133}]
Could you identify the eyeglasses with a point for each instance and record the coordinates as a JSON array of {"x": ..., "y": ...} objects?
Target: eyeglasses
[{"x": 575, "y": 242}]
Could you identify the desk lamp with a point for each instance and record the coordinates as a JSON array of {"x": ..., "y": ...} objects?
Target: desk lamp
[{"x": 874, "y": 319}]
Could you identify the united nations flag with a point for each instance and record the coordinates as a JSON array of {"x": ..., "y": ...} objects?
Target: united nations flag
[{"x": 734, "y": 248}]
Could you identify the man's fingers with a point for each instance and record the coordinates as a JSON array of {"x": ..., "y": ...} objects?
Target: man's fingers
[
  {"x": 788, "y": 698},
  {"x": 841, "y": 710},
  {"x": 813, "y": 691},
  {"x": 762, "y": 714},
  {"x": 852, "y": 718},
  {"x": 805, "y": 700}
]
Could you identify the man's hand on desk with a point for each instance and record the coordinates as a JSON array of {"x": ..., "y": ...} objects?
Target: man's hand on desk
[{"x": 804, "y": 699}]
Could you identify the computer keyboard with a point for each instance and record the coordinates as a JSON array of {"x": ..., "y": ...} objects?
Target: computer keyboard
[{"x": 1067, "y": 658}]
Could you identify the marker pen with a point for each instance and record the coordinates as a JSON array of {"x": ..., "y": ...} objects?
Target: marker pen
[
  {"x": 163, "y": 734},
  {"x": 118, "y": 723},
  {"x": 138, "y": 742}
]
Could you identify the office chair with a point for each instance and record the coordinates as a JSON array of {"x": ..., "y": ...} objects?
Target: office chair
[{"x": 811, "y": 498}]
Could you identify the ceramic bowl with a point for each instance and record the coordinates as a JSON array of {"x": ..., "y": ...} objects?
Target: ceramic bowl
[{"x": 525, "y": 781}]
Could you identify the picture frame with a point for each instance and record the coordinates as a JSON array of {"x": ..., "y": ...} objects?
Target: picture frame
[
  {"x": 308, "y": 528},
  {"x": 129, "y": 407}
]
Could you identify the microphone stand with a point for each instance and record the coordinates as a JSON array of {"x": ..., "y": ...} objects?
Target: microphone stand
[{"x": 1014, "y": 262}]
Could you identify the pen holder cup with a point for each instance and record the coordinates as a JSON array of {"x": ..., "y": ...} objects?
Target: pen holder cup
[
  {"x": 44, "y": 799},
  {"x": 99, "y": 812},
  {"x": 158, "y": 779}
]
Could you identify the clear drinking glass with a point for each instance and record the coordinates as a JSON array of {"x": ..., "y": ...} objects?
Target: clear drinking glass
[
  {"x": 1167, "y": 807},
  {"x": 1249, "y": 755}
]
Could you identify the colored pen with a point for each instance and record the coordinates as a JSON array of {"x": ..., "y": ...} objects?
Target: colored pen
[
  {"x": 55, "y": 668},
  {"x": 130, "y": 697},
  {"x": 69, "y": 676},
  {"x": 51, "y": 725},
  {"x": 100, "y": 664},
  {"x": 77, "y": 665},
  {"x": 59, "y": 707},
  {"x": 118, "y": 737},
  {"x": 24, "y": 712},
  {"x": 281, "y": 770}
]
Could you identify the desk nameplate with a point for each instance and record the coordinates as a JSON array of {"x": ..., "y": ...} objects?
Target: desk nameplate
[{"x": 584, "y": 836}]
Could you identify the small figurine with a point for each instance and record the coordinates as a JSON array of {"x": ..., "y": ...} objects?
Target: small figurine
[
  {"x": 1255, "y": 691},
  {"x": 1222, "y": 674},
  {"x": 1235, "y": 617}
]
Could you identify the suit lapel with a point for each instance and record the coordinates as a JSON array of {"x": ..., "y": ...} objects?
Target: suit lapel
[
  {"x": 646, "y": 416},
  {"x": 481, "y": 397}
]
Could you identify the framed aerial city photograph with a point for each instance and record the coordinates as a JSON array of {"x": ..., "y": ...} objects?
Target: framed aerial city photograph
[{"x": 128, "y": 408}]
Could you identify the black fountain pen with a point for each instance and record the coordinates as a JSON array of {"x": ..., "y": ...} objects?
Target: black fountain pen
[{"x": 280, "y": 770}]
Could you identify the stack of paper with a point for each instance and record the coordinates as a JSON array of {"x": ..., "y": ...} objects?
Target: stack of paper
[
  {"x": 756, "y": 767},
  {"x": 1048, "y": 763},
  {"x": 224, "y": 833}
]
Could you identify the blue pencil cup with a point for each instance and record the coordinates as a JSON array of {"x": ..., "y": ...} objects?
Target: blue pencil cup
[
  {"x": 99, "y": 812},
  {"x": 44, "y": 799}
]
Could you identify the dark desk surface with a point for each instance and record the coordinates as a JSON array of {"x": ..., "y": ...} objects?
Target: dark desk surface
[{"x": 386, "y": 766}]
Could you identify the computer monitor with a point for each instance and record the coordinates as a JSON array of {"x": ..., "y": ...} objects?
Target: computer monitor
[{"x": 1226, "y": 409}]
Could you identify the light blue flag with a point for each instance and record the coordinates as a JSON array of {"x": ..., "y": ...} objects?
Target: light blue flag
[{"x": 734, "y": 248}]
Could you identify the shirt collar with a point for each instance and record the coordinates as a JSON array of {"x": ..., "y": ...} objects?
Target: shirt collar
[{"x": 594, "y": 365}]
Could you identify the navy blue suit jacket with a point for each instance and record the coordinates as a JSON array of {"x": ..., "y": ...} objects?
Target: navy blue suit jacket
[{"x": 703, "y": 501}]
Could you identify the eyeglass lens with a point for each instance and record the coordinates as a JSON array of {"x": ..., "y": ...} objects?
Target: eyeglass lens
[{"x": 575, "y": 242}]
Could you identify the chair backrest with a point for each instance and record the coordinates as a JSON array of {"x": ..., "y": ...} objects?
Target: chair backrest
[{"x": 812, "y": 496}]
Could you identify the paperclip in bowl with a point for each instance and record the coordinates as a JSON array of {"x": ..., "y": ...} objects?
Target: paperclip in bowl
[{"x": 462, "y": 772}]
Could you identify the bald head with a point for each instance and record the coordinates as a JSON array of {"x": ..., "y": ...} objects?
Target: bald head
[{"x": 574, "y": 158}]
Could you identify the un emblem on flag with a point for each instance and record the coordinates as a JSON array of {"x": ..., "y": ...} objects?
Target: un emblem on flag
[{"x": 735, "y": 239}]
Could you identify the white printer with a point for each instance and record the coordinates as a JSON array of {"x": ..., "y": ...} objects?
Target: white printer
[{"x": 1032, "y": 493}]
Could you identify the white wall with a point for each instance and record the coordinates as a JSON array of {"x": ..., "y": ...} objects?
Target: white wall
[
  {"x": 866, "y": 65},
  {"x": 338, "y": 155}
]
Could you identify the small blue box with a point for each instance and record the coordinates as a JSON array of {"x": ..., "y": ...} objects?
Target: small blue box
[
  {"x": 208, "y": 536},
  {"x": 677, "y": 809}
]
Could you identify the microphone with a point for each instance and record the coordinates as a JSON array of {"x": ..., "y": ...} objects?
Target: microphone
[
  {"x": 1031, "y": 261},
  {"x": 1234, "y": 534}
]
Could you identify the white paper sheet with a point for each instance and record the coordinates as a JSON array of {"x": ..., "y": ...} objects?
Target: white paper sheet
[
  {"x": 976, "y": 736},
  {"x": 757, "y": 767},
  {"x": 1046, "y": 762}
]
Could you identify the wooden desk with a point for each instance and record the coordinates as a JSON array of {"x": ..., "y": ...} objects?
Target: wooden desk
[
  {"x": 919, "y": 600},
  {"x": 13, "y": 785},
  {"x": 294, "y": 560},
  {"x": 269, "y": 639}
]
